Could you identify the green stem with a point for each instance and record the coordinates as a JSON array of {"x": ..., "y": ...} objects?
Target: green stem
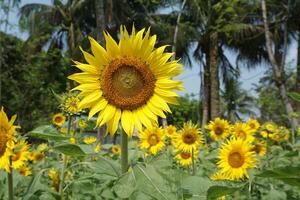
[
  {"x": 193, "y": 162},
  {"x": 65, "y": 163},
  {"x": 10, "y": 185},
  {"x": 124, "y": 152}
]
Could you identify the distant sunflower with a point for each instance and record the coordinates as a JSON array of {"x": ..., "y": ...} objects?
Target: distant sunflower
[
  {"x": 218, "y": 129},
  {"x": 97, "y": 148},
  {"x": 235, "y": 157},
  {"x": 188, "y": 139},
  {"x": 116, "y": 149},
  {"x": 129, "y": 81},
  {"x": 25, "y": 170},
  {"x": 7, "y": 131},
  {"x": 20, "y": 154},
  {"x": 152, "y": 139},
  {"x": 253, "y": 124},
  {"x": 71, "y": 104},
  {"x": 36, "y": 156},
  {"x": 58, "y": 119},
  {"x": 170, "y": 131},
  {"x": 243, "y": 131},
  {"x": 89, "y": 140},
  {"x": 82, "y": 124},
  {"x": 259, "y": 147},
  {"x": 54, "y": 179},
  {"x": 185, "y": 158}
]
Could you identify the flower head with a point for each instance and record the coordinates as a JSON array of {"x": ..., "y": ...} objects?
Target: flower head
[
  {"x": 116, "y": 149},
  {"x": 218, "y": 129},
  {"x": 243, "y": 131},
  {"x": 185, "y": 158},
  {"x": 253, "y": 124},
  {"x": 152, "y": 139},
  {"x": 89, "y": 140}
]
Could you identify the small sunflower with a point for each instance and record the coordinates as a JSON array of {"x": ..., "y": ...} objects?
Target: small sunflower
[
  {"x": 97, "y": 148},
  {"x": 235, "y": 157},
  {"x": 73, "y": 140},
  {"x": 54, "y": 179},
  {"x": 116, "y": 149},
  {"x": 58, "y": 119},
  {"x": 42, "y": 147},
  {"x": 152, "y": 139},
  {"x": 170, "y": 131},
  {"x": 25, "y": 170},
  {"x": 71, "y": 104},
  {"x": 185, "y": 158},
  {"x": 188, "y": 139},
  {"x": 7, "y": 131},
  {"x": 36, "y": 156},
  {"x": 253, "y": 124},
  {"x": 129, "y": 81},
  {"x": 243, "y": 131},
  {"x": 89, "y": 140},
  {"x": 218, "y": 129},
  {"x": 259, "y": 147},
  {"x": 20, "y": 154},
  {"x": 82, "y": 124}
]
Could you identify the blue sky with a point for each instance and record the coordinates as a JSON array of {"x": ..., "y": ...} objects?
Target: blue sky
[{"x": 190, "y": 76}]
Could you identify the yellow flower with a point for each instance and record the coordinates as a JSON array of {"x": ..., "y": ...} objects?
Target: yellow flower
[
  {"x": 36, "y": 156},
  {"x": 54, "y": 179},
  {"x": 42, "y": 147},
  {"x": 264, "y": 134},
  {"x": 243, "y": 131},
  {"x": 235, "y": 157},
  {"x": 281, "y": 134},
  {"x": 63, "y": 131},
  {"x": 97, "y": 148},
  {"x": 25, "y": 170},
  {"x": 73, "y": 140},
  {"x": 116, "y": 149},
  {"x": 152, "y": 139},
  {"x": 218, "y": 129},
  {"x": 20, "y": 154},
  {"x": 7, "y": 131},
  {"x": 253, "y": 124},
  {"x": 129, "y": 81},
  {"x": 170, "y": 131},
  {"x": 58, "y": 119},
  {"x": 189, "y": 138},
  {"x": 259, "y": 147},
  {"x": 270, "y": 127},
  {"x": 218, "y": 176},
  {"x": 82, "y": 124},
  {"x": 185, "y": 158},
  {"x": 71, "y": 104},
  {"x": 89, "y": 140}
]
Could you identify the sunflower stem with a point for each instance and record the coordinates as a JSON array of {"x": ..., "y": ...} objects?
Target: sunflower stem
[
  {"x": 10, "y": 185},
  {"x": 124, "y": 152},
  {"x": 65, "y": 163},
  {"x": 193, "y": 162}
]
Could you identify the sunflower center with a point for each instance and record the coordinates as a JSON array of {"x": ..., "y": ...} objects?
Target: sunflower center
[
  {"x": 3, "y": 140},
  {"x": 153, "y": 139},
  {"x": 185, "y": 155},
  {"x": 127, "y": 83},
  {"x": 58, "y": 119},
  {"x": 218, "y": 130},
  {"x": 252, "y": 125},
  {"x": 189, "y": 138},
  {"x": 235, "y": 160},
  {"x": 242, "y": 134},
  {"x": 16, "y": 156},
  {"x": 257, "y": 148}
]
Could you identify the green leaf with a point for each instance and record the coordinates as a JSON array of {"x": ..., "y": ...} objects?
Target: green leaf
[
  {"x": 35, "y": 185},
  {"x": 215, "y": 192},
  {"x": 295, "y": 96},
  {"x": 196, "y": 185},
  {"x": 125, "y": 186},
  {"x": 70, "y": 150},
  {"x": 47, "y": 133},
  {"x": 106, "y": 167}
]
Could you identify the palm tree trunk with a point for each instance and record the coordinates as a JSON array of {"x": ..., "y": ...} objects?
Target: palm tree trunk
[
  {"x": 214, "y": 76},
  {"x": 278, "y": 72},
  {"x": 206, "y": 92},
  {"x": 297, "y": 85},
  {"x": 100, "y": 20}
]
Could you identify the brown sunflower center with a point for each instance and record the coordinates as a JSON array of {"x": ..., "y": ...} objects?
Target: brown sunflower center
[
  {"x": 252, "y": 125},
  {"x": 58, "y": 119},
  {"x": 127, "y": 83},
  {"x": 242, "y": 134},
  {"x": 16, "y": 156},
  {"x": 257, "y": 148},
  {"x": 189, "y": 138},
  {"x": 185, "y": 155},
  {"x": 235, "y": 160},
  {"x": 218, "y": 130},
  {"x": 3, "y": 140},
  {"x": 153, "y": 139}
]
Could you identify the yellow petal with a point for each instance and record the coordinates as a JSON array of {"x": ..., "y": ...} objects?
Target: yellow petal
[
  {"x": 106, "y": 114},
  {"x": 99, "y": 52},
  {"x": 94, "y": 96},
  {"x": 84, "y": 77},
  {"x": 88, "y": 86},
  {"x": 98, "y": 107},
  {"x": 114, "y": 122},
  {"x": 111, "y": 46},
  {"x": 159, "y": 103},
  {"x": 88, "y": 57},
  {"x": 165, "y": 92},
  {"x": 127, "y": 122},
  {"x": 88, "y": 68}
]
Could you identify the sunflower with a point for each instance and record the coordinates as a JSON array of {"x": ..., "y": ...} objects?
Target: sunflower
[
  {"x": 243, "y": 131},
  {"x": 7, "y": 131},
  {"x": 71, "y": 104},
  {"x": 97, "y": 148},
  {"x": 270, "y": 126},
  {"x": 218, "y": 176},
  {"x": 20, "y": 154},
  {"x": 25, "y": 170},
  {"x": 58, "y": 119},
  {"x": 54, "y": 179},
  {"x": 82, "y": 124},
  {"x": 89, "y": 140},
  {"x": 36, "y": 156},
  {"x": 235, "y": 157},
  {"x": 73, "y": 140},
  {"x": 188, "y": 139},
  {"x": 170, "y": 131},
  {"x": 42, "y": 147},
  {"x": 259, "y": 147},
  {"x": 253, "y": 124},
  {"x": 218, "y": 129},
  {"x": 116, "y": 149},
  {"x": 129, "y": 81},
  {"x": 152, "y": 139},
  {"x": 185, "y": 158}
]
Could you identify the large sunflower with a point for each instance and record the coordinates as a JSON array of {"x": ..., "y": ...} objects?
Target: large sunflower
[
  {"x": 235, "y": 157},
  {"x": 218, "y": 129},
  {"x": 129, "y": 81},
  {"x": 152, "y": 139},
  {"x": 188, "y": 139},
  {"x": 7, "y": 131}
]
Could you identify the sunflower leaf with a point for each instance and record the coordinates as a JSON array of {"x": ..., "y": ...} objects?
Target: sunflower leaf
[
  {"x": 217, "y": 191},
  {"x": 46, "y": 133},
  {"x": 69, "y": 149}
]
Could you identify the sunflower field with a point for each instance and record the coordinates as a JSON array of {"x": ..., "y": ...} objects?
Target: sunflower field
[{"x": 93, "y": 103}]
